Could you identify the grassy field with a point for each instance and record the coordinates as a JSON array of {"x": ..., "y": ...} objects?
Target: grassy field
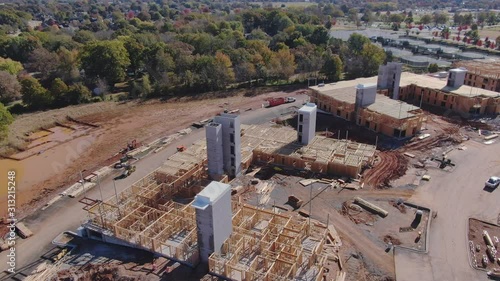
[
  {"x": 31, "y": 122},
  {"x": 492, "y": 32}
]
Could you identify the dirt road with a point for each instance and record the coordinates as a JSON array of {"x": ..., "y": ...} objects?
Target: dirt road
[
  {"x": 456, "y": 196},
  {"x": 390, "y": 165}
]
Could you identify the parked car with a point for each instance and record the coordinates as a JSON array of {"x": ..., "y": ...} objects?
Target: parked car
[{"x": 492, "y": 182}]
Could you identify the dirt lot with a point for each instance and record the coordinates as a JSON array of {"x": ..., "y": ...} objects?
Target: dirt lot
[
  {"x": 491, "y": 32},
  {"x": 478, "y": 247},
  {"x": 44, "y": 173}
]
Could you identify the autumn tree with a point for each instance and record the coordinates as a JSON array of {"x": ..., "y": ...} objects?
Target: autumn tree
[
  {"x": 282, "y": 64},
  {"x": 44, "y": 62},
  {"x": 10, "y": 89}
]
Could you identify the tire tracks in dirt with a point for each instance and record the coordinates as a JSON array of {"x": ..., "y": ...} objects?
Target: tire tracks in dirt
[
  {"x": 391, "y": 165},
  {"x": 370, "y": 251}
]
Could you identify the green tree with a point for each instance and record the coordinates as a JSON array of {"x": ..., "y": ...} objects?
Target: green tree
[
  {"x": 396, "y": 18},
  {"x": 83, "y": 36},
  {"x": 319, "y": 36},
  {"x": 458, "y": 19},
  {"x": 10, "y": 89},
  {"x": 58, "y": 89},
  {"x": 19, "y": 47},
  {"x": 368, "y": 17},
  {"x": 468, "y": 19},
  {"x": 353, "y": 17},
  {"x": 5, "y": 120},
  {"x": 105, "y": 59},
  {"x": 76, "y": 94},
  {"x": 11, "y": 66},
  {"x": 481, "y": 17},
  {"x": 34, "y": 95},
  {"x": 426, "y": 19},
  {"x": 356, "y": 42},
  {"x": 333, "y": 67},
  {"x": 372, "y": 56},
  {"x": 433, "y": 68},
  {"x": 492, "y": 18},
  {"x": 440, "y": 18}
]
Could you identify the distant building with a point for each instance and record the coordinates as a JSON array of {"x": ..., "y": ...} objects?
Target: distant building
[
  {"x": 397, "y": 118},
  {"x": 482, "y": 74},
  {"x": 357, "y": 101}
]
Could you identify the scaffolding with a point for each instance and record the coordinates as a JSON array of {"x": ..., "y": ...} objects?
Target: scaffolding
[
  {"x": 269, "y": 246},
  {"x": 278, "y": 145}
]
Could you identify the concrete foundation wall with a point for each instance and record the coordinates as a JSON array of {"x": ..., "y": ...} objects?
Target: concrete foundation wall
[
  {"x": 213, "y": 221},
  {"x": 231, "y": 142},
  {"x": 389, "y": 77},
  {"x": 214, "y": 149},
  {"x": 306, "y": 125}
]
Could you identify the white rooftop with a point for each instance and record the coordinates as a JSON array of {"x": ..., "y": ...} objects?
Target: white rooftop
[
  {"x": 308, "y": 107},
  {"x": 210, "y": 194},
  {"x": 366, "y": 86}
]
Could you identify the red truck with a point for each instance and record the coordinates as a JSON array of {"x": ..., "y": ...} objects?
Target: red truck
[{"x": 277, "y": 101}]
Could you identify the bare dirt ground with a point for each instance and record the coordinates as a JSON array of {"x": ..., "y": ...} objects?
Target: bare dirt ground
[
  {"x": 491, "y": 32},
  {"x": 41, "y": 175},
  {"x": 478, "y": 247},
  {"x": 392, "y": 164}
]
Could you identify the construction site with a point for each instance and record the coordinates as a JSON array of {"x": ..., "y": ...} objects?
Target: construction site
[
  {"x": 158, "y": 213},
  {"x": 346, "y": 186},
  {"x": 482, "y": 74},
  {"x": 391, "y": 114}
]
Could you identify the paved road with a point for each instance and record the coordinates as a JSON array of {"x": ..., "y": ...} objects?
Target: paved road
[
  {"x": 67, "y": 214},
  {"x": 456, "y": 196}
]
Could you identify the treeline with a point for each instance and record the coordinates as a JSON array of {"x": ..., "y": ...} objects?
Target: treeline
[{"x": 82, "y": 50}]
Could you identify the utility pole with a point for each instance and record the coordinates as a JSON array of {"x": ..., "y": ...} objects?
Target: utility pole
[
  {"x": 117, "y": 202},
  {"x": 102, "y": 199},
  {"x": 83, "y": 184},
  {"x": 310, "y": 207}
]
